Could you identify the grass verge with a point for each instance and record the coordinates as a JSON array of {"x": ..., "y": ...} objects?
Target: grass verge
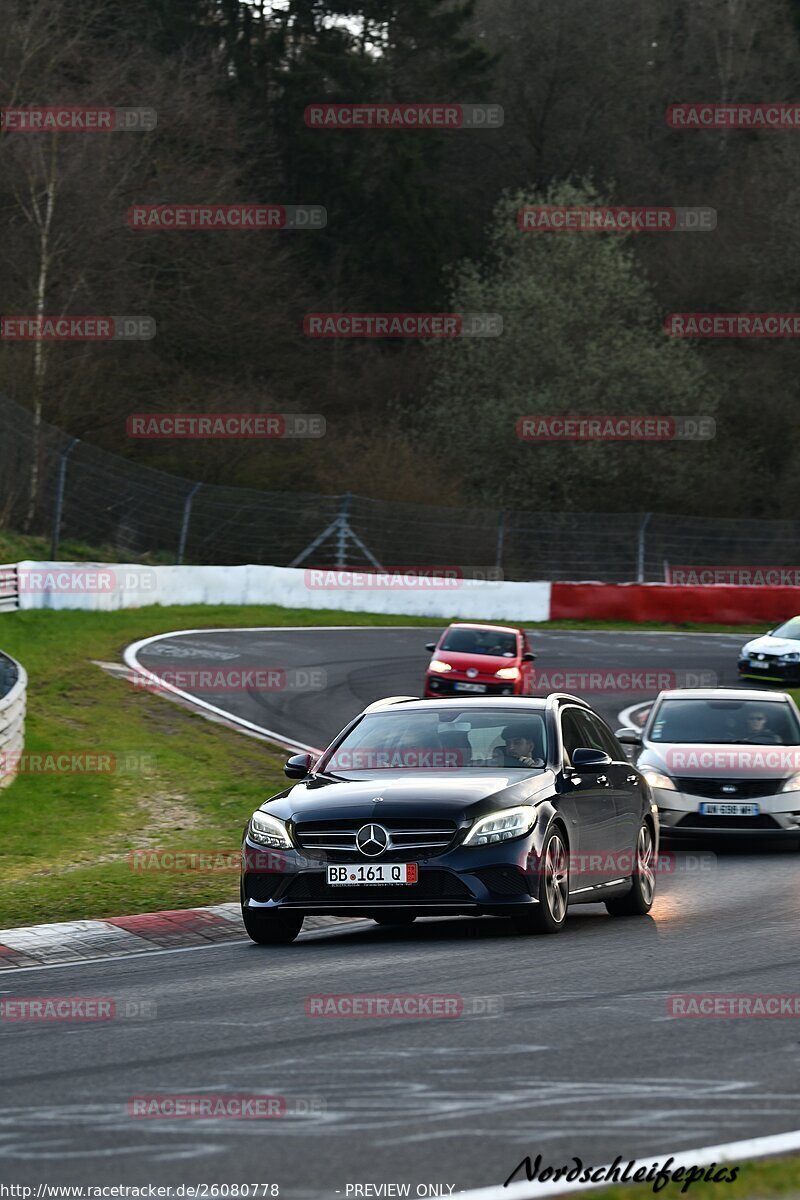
[
  {"x": 17, "y": 547},
  {"x": 772, "y": 1177}
]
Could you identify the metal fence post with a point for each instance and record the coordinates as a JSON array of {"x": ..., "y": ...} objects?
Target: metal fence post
[
  {"x": 59, "y": 504},
  {"x": 342, "y": 531},
  {"x": 187, "y": 512},
  {"x": 501, "y": 537},
  {"x": 640, "y": 556}
]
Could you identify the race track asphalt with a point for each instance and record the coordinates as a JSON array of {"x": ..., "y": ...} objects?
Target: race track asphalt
[
  {"x": 339, "y": 671},
  {"x": 578, "y": 1056}
]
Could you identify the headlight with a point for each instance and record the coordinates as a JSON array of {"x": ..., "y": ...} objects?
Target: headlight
[
  {"x": 500, "y": 826},
  {"x": 269, "y": 831},
  {"x": 508, "y": 673},
  {"x": 792, "y": 784},
  {"x": 656, "y": 779},
  {"x": 439, "y": 667},
  {"x": 792, "y": 657}
]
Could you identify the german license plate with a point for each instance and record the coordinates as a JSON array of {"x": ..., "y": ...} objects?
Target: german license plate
[
  {"x": 729, "y": 810},
  {"x": 469, "y": 687},
  {"x": 759, "y": 666},
  {"x": 372, "y": 873}
]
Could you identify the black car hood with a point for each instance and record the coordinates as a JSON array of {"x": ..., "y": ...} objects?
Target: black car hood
[{"x": 403, "y": 794}]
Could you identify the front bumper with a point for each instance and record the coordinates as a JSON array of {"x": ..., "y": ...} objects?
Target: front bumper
[
  {"x": 480, "y": 880},
  {"x": 679, "y": 817},
  {"x": 444, "y": 685},
  {"x": 774, "y": 673}
]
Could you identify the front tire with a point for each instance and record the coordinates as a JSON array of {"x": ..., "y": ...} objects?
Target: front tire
[
  {"x": 272, "y": 928},
  {"x": 639, "y": 900},
  {"x": 550, "y": 913},
  {"x": 400, "y": 918}
]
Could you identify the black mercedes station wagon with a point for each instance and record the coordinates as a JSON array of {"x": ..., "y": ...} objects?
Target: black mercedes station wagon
[{"x": 507, "y": 807}]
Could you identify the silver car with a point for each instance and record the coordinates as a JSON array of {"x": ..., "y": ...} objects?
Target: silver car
[{"x": 722, "y": 761}]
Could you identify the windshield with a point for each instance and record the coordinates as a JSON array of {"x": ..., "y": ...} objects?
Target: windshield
[
  {"x": 789, "y": 629},
  {"x": 441, "y": 739},
  {"x": 751, "y": 722},
  {"x": 480, "y": 641}
]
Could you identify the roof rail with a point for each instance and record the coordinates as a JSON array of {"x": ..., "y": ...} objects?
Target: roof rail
[
  {"x": 567, "y": 698},
  {"x": 387, "y": 700}
]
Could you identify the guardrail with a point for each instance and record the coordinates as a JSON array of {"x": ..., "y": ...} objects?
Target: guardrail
[
  {"x": 9, "y": 588},
  {"x": 13, "y": 689}
]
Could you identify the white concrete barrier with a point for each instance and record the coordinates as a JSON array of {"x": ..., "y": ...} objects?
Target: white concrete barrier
[
  {"x": 12, "y": 724},
  {"x": 103, "y": 587}
]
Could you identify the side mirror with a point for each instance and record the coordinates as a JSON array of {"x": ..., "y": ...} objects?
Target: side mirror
[
  {"x": 629, "y": 737},
  {"x": 298, "y": 766},
  {"x": 430, "y": 646},
  {"x": 528, "y": 657},
  {"x": 584, "y": 756}
]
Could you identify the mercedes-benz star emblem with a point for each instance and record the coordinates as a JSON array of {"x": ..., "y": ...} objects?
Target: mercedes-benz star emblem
[{"x": 372, "y": 840}]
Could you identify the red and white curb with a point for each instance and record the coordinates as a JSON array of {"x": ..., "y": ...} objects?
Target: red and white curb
[{"x": 115, "y": 937}]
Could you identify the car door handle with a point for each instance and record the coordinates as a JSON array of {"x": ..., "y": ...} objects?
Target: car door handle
[
  {"x": 603, "y": 779},
  {"x": 631, "y": 778}
]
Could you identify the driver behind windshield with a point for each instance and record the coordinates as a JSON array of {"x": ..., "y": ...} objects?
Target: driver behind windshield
[
  {"x": 756, "y": 728},
  {"x": 518, "y": 750}
]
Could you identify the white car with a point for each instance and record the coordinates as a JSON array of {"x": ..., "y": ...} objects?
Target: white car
[
  {"x": 776, "y": 655},
  {"x": 722, "y": 761}
]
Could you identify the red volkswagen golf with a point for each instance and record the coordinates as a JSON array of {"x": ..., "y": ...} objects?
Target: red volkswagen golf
[{"x": 493, "y": 660}]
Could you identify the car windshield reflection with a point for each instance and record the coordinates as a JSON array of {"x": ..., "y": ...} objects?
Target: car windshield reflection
[
  {"x": 441, "y": 740},
  {"x": 725, "y": 722},
  {"x": 478, "y": 641}
]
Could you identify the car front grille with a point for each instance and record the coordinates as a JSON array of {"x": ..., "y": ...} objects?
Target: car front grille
[
  {"x": 701, "y": 821},
  {"x": 432, "y": 886},
  {"x": 446, "y": 687},
  {"x": 714, "y": 789},
  {"x": 409, "y": 838}
]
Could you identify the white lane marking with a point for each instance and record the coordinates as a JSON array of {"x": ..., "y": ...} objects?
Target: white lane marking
[
  {"x": 132, "y": 661},
  {"x": 626, "y": 716},
  {"x": 762, "y": 1147}
]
